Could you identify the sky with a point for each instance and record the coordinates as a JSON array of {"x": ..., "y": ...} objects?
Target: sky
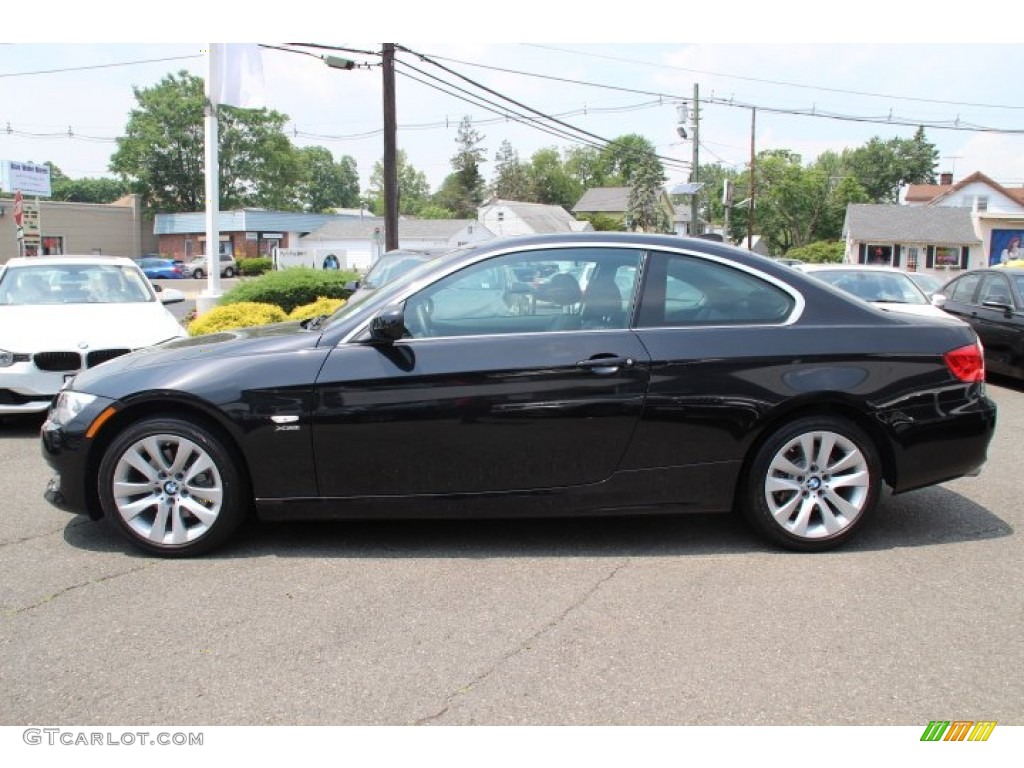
[{"x": 784, "y": 77}]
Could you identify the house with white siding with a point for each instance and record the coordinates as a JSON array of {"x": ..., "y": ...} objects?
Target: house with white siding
[
  {"x": 996, "y": 211},
  {"x": 357, "y": 243},
  {"x": 509, "y": 217}
]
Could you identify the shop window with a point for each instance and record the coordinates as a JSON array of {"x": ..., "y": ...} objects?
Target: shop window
[{"x": 947, "y": 257}]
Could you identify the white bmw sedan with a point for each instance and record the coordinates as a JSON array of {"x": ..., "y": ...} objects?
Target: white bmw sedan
[{"x": 62, "y": 314}]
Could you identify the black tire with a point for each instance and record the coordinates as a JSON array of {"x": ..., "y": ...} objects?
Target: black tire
[
  {"x": 812, "y": 483},
  {"x": 229, "y": 272},
  {"x": 198, "y": 274},
  {"x": 172, "y": 487}
]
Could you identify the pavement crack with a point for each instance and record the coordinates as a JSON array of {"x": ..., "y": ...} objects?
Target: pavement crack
[
  {"x": 73, "y": 587},
  {"x": 523, "y": 646}
]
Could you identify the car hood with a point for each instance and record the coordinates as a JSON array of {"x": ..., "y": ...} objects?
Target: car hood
[
  {"x": 56, "y": 327},
  {"x": 263, "y": 339}
]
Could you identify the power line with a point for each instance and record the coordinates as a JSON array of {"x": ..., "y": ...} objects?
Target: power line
[
  {"x": 99, "y": 66},
  {"x": 777, "y": 82}
]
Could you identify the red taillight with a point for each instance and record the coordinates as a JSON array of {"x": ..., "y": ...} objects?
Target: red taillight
[{"x": 967, "y": 363}]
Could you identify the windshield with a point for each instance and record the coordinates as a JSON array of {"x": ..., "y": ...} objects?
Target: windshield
[
  {"x": 74, "y": 284},
  {"x": 393, "y": 286},
  {"x": 388, "y": 268},
  {"x": 893, "y": 288}
]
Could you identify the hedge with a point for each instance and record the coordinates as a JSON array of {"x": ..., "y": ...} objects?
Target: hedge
[
  {"x": 291, "y": 288},
  {"x": 238, "y": 315}
]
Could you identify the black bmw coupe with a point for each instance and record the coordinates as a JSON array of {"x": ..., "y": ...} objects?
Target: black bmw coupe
[{"x": 578, "y": 374}]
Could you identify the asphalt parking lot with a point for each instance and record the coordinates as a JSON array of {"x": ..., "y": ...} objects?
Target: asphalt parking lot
[{"x": 681, "y": 621}]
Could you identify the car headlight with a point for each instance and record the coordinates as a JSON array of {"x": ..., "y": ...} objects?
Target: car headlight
[
  {"x": 6, "y": 358},
  {"x": 69, "y": 404}
]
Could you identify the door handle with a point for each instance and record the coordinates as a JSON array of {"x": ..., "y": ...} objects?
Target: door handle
[{"x": 606, "y": 365}]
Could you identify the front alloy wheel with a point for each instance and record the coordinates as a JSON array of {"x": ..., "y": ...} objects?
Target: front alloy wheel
[
  {"x": 171, "y": 487},
  {"x": 812, "y": 483}
]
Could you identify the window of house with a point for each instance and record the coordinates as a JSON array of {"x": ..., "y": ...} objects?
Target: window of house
[
  {"x": 879, "y": 255},
  {"x": 947, "y": 256}
]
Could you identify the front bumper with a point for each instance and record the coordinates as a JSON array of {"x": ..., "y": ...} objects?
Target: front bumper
[
  {"x": 26, "y": 389},
  {"x": 67, "y": 450}
]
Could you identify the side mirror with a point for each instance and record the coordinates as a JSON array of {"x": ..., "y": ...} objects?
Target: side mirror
[
  {"x": 388, "y": 326},
  {"x": 170, "y": 295},
  {"x": 939, "y": 300}
]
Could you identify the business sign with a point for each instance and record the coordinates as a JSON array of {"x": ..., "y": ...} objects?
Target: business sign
[
  {"x": 30, "y": 232},
  {"x": 29, "y": 178},
  {"x": 1006, "y": 245}
]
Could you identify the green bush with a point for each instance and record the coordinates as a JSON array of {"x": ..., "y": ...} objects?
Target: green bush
[
  {"x": 239, "y": 315},
  {"x": 254, "y": 267},
  {"x": 821, "y": 252},
  {"x": 291, "y": 288},
  {"x": 322, "y": 306}
]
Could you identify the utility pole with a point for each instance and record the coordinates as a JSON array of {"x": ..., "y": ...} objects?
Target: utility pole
[
  {"x": 390, "y": 151},
  {"x": 750, "y": 205},
  {"x": 695, "y": 170}
]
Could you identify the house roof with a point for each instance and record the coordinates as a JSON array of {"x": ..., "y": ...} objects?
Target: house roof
[
  {"x": 604, "y": 200},
  {"x": 934, "y": 193},
  {"x": 611, "y": 200},
  {"x": 903, "y": 223},
  {"x": 411, "y": 229},
  {"x": 540, "y": 218}
]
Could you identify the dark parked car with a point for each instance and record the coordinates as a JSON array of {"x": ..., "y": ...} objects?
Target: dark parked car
[
  {"x": 992, "y": 301},
  {"x": 588, "y": 373},
  {"x": 157, "y": 268}
]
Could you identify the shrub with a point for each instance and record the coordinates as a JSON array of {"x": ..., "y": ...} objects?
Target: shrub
[
  {"x": 322, "y": 306},
  {"x": 254, "y": 267},
  {"x": 238, "y": 315},
  {"x": 823, "y": 251},
  {"x": 291, "y": 288}
]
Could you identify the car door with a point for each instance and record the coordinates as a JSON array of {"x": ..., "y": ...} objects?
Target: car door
[
  {"x": 501, "y": 385},
  {"x": 999, "y": 323}
]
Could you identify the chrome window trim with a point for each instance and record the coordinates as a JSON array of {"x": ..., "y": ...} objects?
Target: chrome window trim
[{"x": 645, "y": 250}]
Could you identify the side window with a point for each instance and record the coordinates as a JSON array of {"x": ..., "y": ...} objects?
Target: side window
[
  {"x": 686, "y": 290},
  {"x": 561, "y": 289},
  {"x": 963, "y": 289},
  {"x": 995, "y": 288}
]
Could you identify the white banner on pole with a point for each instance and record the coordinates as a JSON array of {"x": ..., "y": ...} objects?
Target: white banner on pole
[{"x": 237, "y": 75}]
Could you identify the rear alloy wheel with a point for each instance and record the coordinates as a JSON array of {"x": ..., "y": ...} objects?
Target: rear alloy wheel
[
  {"x": 171, "y": 487},
  {"x": 229, "y": 272},
  {"x": 197, "y": 274},
  {"x": 812, "y": 483}
]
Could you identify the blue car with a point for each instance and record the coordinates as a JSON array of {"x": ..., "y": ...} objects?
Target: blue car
[{"x": 157, "y": 268}]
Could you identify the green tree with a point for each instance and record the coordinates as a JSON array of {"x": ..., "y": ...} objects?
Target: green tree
[
  {"x": 413, "y": 187},
  {"x": 626, "y": 156},
  {"x": 511, "y": 175},
  {"x": 644, "y": 209},
  {"x": 587, "y": 166},
  {"x": 326, "y": 184},
  {"x": 881, "y": 167},
  {"x": 161, "y": 154},
  {"x": 550, "y": 184},
  {"x": 87, "y": 190},
  {"x": 467, "y": 191}
]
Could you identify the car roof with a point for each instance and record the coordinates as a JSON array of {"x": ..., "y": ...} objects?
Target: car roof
[{"x": 55, "y": 261}]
